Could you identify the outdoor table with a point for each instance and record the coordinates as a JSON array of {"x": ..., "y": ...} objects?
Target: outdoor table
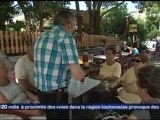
[
  {"x": 103, "y": 57},
  {"x": 77, "y": 89}
]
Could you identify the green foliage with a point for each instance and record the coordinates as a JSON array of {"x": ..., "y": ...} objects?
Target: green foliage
[
  {"x": 7, "y": 10},
  {"x": 153, "y": 18},
  {"x": 36, "y": 11},
  {"x": 116, "y": 21},
  {"x": 142, "y": 30},
  {"x": 18, "y": 26}
]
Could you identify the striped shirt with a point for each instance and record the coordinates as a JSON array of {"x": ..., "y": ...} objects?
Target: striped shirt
[
  {"x": 53, "y": 52},
  {"x": 14, "y": 93}
]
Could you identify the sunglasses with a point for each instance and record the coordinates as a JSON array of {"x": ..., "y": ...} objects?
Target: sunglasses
[{"x": 136, "y": 60}]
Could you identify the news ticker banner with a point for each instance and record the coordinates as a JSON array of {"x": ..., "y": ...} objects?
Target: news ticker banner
[{"x": 80, "y": 106}]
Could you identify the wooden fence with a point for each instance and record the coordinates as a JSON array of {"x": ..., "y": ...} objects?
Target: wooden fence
[{"x": 13, "y": 43}]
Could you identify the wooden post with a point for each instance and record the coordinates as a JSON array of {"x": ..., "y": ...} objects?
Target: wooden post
[
  {"x": 35, "y": 36},
  {"x": 20, "y": 42},
  {"x": 7, "y": 42},
  {"x": 16, "y": 39},
  {"x": 32, "y": 37},
  {"x": 12, "y": 42},
  {"x": 25, "y": 44},
  {"x": 2, "y": 41}
]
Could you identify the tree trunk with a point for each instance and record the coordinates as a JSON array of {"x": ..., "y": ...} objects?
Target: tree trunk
[
  {"x": 79, "y": 18},
  {"x": 41, "y": 14},
  {"x": 26, "y": 15},
  {"x": 94, "y": 17},
  {"x": 2, "y": 26},
  {"x": 96, "y": 27},
  {"x": 91, "y": 17},
  {"x": 41, "y": 25},
  {"x": 39, "y": 5},
  {"x": 91, "y": 22}
]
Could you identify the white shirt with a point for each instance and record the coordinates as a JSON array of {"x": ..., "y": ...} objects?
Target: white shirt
[
  {"x": 24, "y": 69},
  {"x": 111, "y": 70}
]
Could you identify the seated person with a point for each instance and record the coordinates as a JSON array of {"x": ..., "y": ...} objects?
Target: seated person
[
  {"x": 110, "y": 70},
  {"x": 149, "y": 91},
  {"x": 128, "y": 81},
  {"x": 109, "y": 74},
  {"x": 134, "y": 49},
  {"x": 125, "y": 48},
  {"x": 128, "y": 93},
  {"x": 24, "y": 70},
  {"x": 11, "y": 92}
]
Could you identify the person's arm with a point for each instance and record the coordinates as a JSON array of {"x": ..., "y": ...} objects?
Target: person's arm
[
  {"x": 70, "y": 57},
  {"x": 27, "y": 85},
  {"x": 128, "y": 82},
  {"x": 77, "y": 71},
  {"x": 3, "y": 98},
  {"x": 132, "y": 117},
  {"x": 111, "y": 78},
  {"x": 27, "y": 112},
  {"x": 116, "y": 74},
  {"x": 123, "y": 79},
  {"x": 31, "y": 96}
]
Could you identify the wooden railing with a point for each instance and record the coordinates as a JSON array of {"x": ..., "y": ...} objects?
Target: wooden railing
[{"x": 14, "y": 43}]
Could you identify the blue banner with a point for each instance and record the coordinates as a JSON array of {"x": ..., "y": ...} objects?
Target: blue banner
[{"x": 54, "y": 106}]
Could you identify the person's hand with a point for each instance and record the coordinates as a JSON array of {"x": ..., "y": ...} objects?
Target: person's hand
[
  {"x": 82, "y": 81},
  {"x": 31, "y": 96},
  {"x": 100, "y": 77}
]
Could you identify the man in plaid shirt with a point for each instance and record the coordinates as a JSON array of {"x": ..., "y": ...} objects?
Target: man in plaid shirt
[{"x": 55, "y": 59}]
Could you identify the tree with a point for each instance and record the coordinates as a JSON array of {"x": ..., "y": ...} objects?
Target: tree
[
  {"x": 7, "y": 10},
  {"x": 142, "y": 29},
  {"x": 153, "y": 19},
  {"x": 152, "y": 9},
  {"x": 116, "y": 21},
  {"x": 79, "y": 18},
  {"x": 18, "y": 26},
  {"x": 94, "y": 8},
  {"x": 36, "y": 11}
]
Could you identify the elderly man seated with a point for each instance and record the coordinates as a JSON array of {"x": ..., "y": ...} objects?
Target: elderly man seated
[
  {"x": 11, "y": 92},
  {"x": 24, "y": 70}
]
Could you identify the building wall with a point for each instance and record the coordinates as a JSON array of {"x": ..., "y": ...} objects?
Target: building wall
[{"x": 136, "y": 15}]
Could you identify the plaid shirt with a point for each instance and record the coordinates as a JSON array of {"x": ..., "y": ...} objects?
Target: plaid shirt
[{"x": 53, "y": 52}]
